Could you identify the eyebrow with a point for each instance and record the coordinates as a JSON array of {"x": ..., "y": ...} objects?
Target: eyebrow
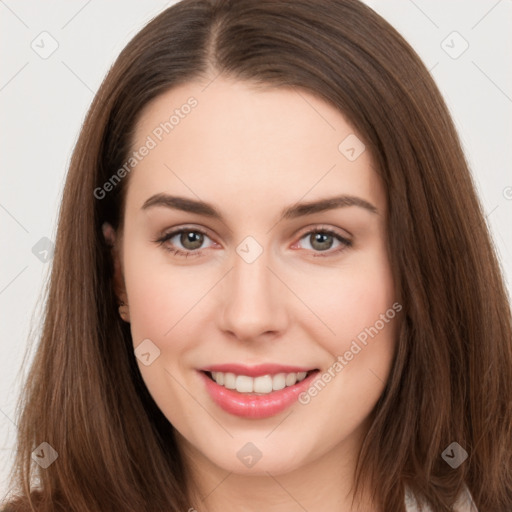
[{"x": 291, "y": 212}]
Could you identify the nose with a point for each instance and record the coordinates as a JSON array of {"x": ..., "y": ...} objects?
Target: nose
[{"x": 253, "y": 301}]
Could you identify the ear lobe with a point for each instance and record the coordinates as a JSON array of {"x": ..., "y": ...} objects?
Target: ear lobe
[{"x": 109, "y": 233}]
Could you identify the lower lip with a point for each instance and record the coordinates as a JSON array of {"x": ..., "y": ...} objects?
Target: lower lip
[{"x": 247, "y": 405}]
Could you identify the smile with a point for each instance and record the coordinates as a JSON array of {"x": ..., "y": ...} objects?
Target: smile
[
  {"x": 262, "y": 385},
  {"x": 256, "y": 396}
]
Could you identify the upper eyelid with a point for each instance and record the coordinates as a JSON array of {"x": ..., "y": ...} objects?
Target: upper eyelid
[
  {"x": 176, "y": 231},
  {"x": 324, "y": 227}
]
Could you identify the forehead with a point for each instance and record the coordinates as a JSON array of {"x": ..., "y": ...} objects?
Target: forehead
[{"x": 231, "y": 141}]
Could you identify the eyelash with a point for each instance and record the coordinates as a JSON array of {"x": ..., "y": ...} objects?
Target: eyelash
[{"x": 185, "y": 254}]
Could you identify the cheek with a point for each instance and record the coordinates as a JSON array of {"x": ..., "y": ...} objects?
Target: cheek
[
  {"x": 352, "y": 298},
  {"x": 161, "y": 296},
  {"x": 359, "y": 306}
]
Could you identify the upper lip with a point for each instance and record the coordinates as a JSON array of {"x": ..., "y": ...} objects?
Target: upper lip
[{"x": 255, "y": 371}]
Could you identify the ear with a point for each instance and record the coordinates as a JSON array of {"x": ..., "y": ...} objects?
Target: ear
[{"x": 119, "y": 286}]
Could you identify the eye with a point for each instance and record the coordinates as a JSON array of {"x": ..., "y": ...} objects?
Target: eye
[
  {"x": 322, "y": 239},
  {"x": 191, "y": 239}
]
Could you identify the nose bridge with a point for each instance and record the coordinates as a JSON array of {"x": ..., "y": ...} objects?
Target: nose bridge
[{"x": 252, "y": 303}]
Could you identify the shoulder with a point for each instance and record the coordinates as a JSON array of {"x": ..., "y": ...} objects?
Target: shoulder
[
  {"x": 411, "y": 503},
  {"x": 463, "y": 504}
]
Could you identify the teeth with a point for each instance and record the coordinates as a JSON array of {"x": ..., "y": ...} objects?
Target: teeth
[
  {"x": 264, "y": 384},
  {"x": 229, "y": 380},
  {"x": 244, "y": 384},
  {"x": 279, "y": 381}
]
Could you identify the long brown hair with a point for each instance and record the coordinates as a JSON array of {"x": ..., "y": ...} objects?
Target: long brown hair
[{"x": 451, "y": 380}]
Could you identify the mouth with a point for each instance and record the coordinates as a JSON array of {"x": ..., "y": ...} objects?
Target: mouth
[
  {"x": 261, "y": 396},
  {"x": 258, "y": 386}
]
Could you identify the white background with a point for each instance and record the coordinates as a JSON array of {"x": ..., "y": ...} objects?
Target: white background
[{"x": 43, "y": 103}]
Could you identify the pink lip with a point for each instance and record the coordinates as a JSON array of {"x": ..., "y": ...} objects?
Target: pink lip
[
  {"x": 252, "y": 405},
  {"x": 254, "y": 371}
]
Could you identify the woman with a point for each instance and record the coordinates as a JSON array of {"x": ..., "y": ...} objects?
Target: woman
[{"x": 273, "y": 286}]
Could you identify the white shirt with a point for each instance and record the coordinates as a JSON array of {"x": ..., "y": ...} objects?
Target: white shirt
[{"x": 463, "y": 504}]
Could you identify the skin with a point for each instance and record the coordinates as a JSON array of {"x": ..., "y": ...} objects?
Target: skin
[{"x": 252, "y": 152}]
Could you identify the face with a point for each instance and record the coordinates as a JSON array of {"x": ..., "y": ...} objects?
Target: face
[{"x": 259, "y": 287}]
